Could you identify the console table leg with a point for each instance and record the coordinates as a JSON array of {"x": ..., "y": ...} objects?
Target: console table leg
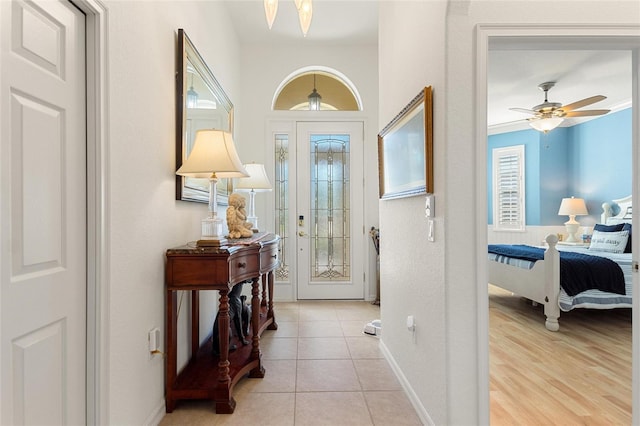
[
  {"x": 257, "y": 372},
  {"x": 225, "y": 404},
  {"x": 263, "y": 281},
  {"x": 171, "y": 345},
  {"x": 270, "y": 314},
  {"x": 226, "y": 407}
]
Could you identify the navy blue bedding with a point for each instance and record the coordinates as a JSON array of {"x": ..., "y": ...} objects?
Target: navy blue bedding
[{"x": 578, "y": 272}]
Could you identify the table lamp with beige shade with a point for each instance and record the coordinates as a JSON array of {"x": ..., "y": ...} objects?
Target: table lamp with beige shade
[{"x": 213, "y": 156}]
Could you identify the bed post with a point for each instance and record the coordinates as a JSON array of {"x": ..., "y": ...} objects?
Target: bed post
[{"x": 552, "y": 283}]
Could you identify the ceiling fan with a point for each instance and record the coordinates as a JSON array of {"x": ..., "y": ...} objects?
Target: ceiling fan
[{"x": 548, "y": 115}]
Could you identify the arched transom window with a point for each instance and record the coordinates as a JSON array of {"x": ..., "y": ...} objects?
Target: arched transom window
[{"x": 334, "y": 91}]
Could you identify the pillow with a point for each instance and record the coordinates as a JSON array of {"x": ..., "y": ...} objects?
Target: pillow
[
  {"x": 610, "y": 242},
  {"x": 627, "y": 227},
  {"x": 608, "y": 228}
]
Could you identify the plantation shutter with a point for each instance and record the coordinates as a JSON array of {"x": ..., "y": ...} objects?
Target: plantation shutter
[{"x": 508, "y": 188}]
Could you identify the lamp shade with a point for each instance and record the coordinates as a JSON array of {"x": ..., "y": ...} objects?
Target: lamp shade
[
  {"x": 546, "y": 124},
  {"x": 257, "y": 180},
  {"x": 213, "y": 152},
  {"x": 572, "y": 207}
]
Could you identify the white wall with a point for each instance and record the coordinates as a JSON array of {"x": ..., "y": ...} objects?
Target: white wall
[
  {"x": 145, "y": 218},
  {"x": 412, "y": 56},
  {"x": 436, "y": 282},
  {"x": 445, "y": 366},
  {"x": 263, "y": 69}
]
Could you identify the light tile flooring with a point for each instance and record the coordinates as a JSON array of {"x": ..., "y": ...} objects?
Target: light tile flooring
[{"x": 320, "y": 370}]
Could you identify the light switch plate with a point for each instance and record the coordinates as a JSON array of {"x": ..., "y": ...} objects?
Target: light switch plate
[
  {"x": 431, "y": 233},
  {"x": 430, "y": 206}
]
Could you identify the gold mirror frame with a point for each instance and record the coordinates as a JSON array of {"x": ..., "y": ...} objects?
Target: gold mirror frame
[{"x": 211, "y": 109}]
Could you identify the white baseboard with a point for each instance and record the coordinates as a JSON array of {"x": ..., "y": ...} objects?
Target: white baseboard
[
  {"x": 406, "y": 386},
  {"x": 156, "y": 415}
]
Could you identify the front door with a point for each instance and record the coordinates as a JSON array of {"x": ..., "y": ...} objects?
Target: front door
[
  {"x": 329, "y": 217},
  {"x": 43, "y": 230}
]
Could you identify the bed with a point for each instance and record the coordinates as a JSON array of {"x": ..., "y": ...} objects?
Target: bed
[{"x": 535, "y": 272}]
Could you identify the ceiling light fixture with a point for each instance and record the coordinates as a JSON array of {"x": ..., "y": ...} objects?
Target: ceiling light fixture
[
  {"x": 270, "y": 9},
  {"x": 546, "y": 124},
  {"x": 314, "y": 97},
  {"x": 192, "y": 96},
  {"x": 305, "y": 12}
]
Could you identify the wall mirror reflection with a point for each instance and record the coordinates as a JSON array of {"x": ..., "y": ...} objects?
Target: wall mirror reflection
[{"x": 201, "y": 104}]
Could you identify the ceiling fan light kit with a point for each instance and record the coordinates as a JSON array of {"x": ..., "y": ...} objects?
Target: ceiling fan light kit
[
  {"x": 546, "y": 124},
  {"x": 549, "y": 115}
]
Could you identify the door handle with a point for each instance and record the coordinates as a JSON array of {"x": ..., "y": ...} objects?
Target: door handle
[{"x": 302, "y": 234}]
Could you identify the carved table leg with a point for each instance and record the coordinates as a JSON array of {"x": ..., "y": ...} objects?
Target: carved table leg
[
  {"x": 257, "y": 372},
  {"x": 270, "y": 314},
  {"x": 225, "y": 404},
  {"x": 171, "y": 344},
  {"x": 263, "y": 280}
]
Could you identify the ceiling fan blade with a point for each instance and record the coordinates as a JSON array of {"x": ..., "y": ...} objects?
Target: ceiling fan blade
[
  {"x": 526, "y": 111},
  {"x": 587, "y": 113},
  {"x": 584, "y": 102}
]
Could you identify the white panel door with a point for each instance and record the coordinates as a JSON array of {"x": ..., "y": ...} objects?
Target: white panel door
[
  {"x": 43, "y": 272},
  {"x": 329, "y": 200}
]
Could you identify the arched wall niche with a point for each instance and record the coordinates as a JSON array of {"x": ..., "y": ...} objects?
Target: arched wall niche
[{"x": 337, "y": 91}]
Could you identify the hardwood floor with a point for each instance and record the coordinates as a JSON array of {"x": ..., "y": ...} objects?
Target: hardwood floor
[{"x": 579, "y": 375}]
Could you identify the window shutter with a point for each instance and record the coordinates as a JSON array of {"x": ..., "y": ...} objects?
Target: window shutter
[{"x": 508, "y": 188}]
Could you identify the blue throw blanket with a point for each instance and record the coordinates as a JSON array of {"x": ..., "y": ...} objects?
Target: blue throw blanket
[{"x": 578, "y": 272}]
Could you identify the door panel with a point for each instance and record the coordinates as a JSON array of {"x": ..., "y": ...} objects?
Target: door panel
[
  {"x": 43, "y": 215},
  {"x": 329, "y": 210}
]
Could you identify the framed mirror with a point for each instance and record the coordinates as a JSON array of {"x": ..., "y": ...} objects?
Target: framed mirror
[{"x": 201, "y": 103}]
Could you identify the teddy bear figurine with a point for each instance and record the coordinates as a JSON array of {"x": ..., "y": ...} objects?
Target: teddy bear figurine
[{"x": 237, "y": 218}]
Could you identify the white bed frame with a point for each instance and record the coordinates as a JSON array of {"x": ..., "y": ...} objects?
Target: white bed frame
[
  {"x": 541, "y": 283},
  {"x": 624, "y": 215}
]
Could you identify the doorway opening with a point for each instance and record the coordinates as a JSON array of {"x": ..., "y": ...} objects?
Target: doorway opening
[{"x": 556, "y": 39}]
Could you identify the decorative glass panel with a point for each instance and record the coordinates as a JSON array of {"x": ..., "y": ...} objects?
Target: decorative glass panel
[
  {"x": 329, "y": 209},
  {"x": 281, "y": 188}
]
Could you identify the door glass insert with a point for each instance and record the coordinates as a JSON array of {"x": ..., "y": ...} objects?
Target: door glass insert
[
  {"x": 329, "y": 209},
  {"x": 281, "y": 188}
]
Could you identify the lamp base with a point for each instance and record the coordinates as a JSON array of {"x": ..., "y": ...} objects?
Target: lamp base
[
  {"x": 212, "y": 232},
  {"x": 254, "y": 221},
  {"x": 572, "y": 228}
]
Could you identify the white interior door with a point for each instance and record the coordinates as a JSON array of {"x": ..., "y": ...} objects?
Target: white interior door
[
  {"x": 43, "y": 272},
  {"x": 329, "y": 218}
]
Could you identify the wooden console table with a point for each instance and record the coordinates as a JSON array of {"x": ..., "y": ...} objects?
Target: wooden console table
[{"x": 207, "y": 376}]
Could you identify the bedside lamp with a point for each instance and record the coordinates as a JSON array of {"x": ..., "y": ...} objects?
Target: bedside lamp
[
  {"x": 572, "y": 207},
  {"x": 256, "y": 182},
  {"x": 213, "y": 156}
]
